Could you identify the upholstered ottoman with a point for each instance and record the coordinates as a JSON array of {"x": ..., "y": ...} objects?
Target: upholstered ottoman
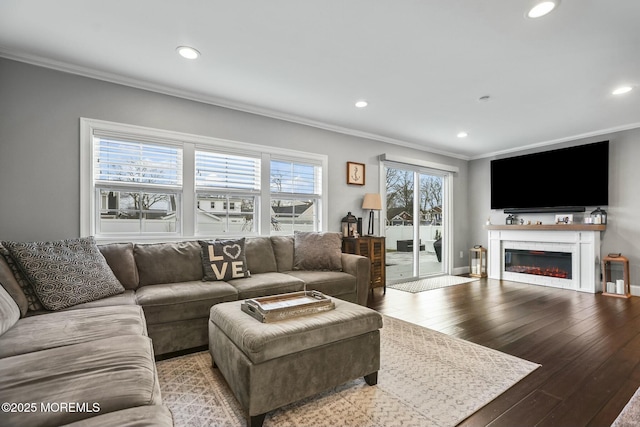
[{"x": 269, "y": 365}]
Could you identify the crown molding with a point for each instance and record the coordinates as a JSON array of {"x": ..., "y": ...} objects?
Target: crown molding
[
  {"x": 213, "y": 100},
  {"x": 577, "y": 137}
]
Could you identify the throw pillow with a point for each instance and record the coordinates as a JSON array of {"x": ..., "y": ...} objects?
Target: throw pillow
[
  {"x": 317, "y": 251},
  {"x": 224, "y": 259},
  {"x": 65, "y": 273},
  {"x": 33, "y": 303},
  {"x": 9, "y": 311}
]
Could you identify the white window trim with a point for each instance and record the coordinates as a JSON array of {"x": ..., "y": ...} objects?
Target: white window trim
[{"x": 189, "y": 143}]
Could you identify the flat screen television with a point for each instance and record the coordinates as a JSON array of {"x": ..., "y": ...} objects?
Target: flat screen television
[{"x": 562, "y": 180}]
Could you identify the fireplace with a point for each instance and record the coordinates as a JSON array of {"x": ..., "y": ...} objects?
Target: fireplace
[
  {"x": 559, "y": 256},
  {"x": 538, "y": 263}
]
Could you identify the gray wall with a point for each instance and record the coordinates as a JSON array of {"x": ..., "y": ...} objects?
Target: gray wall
[
  {"x": 40, "y": 149},
  {"x": 623, "y": 227}
]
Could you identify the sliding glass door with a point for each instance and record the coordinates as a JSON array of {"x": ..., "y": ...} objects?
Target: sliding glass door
[{"x": 414, "y": 223}]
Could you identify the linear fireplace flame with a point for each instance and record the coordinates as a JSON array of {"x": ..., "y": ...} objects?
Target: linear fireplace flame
[{"x": 539, "y": 263}]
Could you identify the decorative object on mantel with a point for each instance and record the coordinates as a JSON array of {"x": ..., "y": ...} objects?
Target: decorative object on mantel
[
  {"x": 478, "y": 261},
  {"x": 511, "y": 219},
  {"x": 349, "y": 225},
  {"x": 599, "y": 216},
  {"x": 564, "y": 219},
  {"x": 355, "y": 173},
  {"x": 615, "y": 280},
  {"x": 373, "y": 202}
]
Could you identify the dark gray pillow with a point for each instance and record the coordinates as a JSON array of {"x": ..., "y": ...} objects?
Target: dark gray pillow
[
  {"x": 224, "y": 259},
  {"x": 317, "y": 251},
  {"x": 65, "y": 273}
]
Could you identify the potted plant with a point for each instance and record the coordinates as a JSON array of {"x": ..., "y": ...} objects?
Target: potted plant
[{"x": 437, "y": 246}]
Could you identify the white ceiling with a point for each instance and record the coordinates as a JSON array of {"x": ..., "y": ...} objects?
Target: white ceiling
[{"x": 421, "y": 64}]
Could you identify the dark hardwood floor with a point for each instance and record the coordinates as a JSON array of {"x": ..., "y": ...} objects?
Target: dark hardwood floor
[{"x": 588, "y": 346}]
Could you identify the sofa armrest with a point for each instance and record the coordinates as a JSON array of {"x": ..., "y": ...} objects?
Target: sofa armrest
[{"x": 360, "y": 267}]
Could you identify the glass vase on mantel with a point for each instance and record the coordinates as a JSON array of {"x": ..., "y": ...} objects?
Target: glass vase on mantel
[{"x": 599, "y": 216}]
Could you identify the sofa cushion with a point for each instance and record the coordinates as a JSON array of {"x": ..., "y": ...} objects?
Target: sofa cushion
[
  {"x": 317, "y": 251},
  {"x": 223, "y": 259},
  {"x": 65, "y": 272},
  {"x": 11, "y": 285},
  {"x": 334, "y": 283},
  {"x": 168, "y": 262},
  {"x": 120, "y": 258},
  {"x": 9, "y": 311},
  {"x": 283, "y": 251},
  {"x": 170, "y": 302},
  {"x": 140, "y": 416},
  {"x": 128, "y": 297},
  {"x": 260, "y": 285},
  {"x": 113, "y": 373},
  {"x": 260, "y": 256},
  {"x": 33, "y": 303},
  {"x": 73, "y": 327}
]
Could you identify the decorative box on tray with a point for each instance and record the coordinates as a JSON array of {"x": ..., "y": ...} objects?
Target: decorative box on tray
[{"x": 285, "y": 306}]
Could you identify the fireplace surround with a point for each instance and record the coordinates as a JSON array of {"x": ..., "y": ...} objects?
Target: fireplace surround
[{"x": 561, "y": 256}]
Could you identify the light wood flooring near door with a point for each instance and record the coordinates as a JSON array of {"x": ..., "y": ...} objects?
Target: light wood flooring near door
[{"x": 588, "y": 346}]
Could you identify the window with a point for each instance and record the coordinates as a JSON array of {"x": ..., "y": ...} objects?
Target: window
[
  {"x": 296, "y": 193},
  {"x": 229, "y": 186},
  {"x": 143, "y": 183},
  {"x": 138, "y": 185}
]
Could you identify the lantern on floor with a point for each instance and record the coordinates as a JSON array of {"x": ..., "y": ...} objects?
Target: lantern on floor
[
  {"x": 599, "y": 216},
  {"x": 349, "y": 225},
  {"x": 478, "y": 261},
  {"x": 615, "y": 276}
]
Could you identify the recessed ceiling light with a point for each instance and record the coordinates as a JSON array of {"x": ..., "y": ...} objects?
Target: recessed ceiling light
[
  {"x": 462, "y": 134},
  {"x": 542, "y": 8},
  {"x": 187, "y": 52},
  {"x": 622, "y": 89},
  {"x": 361, "y": 104}
]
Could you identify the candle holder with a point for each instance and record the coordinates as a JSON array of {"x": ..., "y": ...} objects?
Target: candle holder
[{"x": 615, "y": 276}]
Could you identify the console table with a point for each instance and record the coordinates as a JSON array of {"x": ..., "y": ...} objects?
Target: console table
[{"x": 372, "y": 247}]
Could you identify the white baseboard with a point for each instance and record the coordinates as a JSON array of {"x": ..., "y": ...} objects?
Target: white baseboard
[{"x": 459, "y": 271}]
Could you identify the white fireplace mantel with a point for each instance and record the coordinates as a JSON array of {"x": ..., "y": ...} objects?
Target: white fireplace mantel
[{"x": 581, "y": 240}]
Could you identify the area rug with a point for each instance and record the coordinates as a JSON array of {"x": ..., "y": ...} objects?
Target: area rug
[
  {"x": 630, "y": 415},
  {"x": 426, "y": 379},
  {"x": 431, "y": 283}
]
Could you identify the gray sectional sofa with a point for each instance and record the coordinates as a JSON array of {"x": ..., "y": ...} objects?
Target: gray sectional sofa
[{"x": 97, "y": 358}]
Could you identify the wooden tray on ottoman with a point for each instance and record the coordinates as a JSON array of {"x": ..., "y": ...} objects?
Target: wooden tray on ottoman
[{"x": 285, "y": 306}]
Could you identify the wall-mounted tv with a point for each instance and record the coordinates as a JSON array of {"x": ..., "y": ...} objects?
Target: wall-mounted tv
[{"x": 562, "y": 180}]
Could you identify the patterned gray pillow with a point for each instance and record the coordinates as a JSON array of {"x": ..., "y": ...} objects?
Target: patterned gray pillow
[
  {"x": 317, "y": 251},
  {"x": 65, "y": 272}
]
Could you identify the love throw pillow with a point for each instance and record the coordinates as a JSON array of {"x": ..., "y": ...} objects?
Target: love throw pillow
[{"x": 223, "y": 259}]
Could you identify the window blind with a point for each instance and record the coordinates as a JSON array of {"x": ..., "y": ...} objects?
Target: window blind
[
  {"x": 137, "y": 162},
  {"x": 227, "y": 171},
  {"x": 292, "y": 177}
]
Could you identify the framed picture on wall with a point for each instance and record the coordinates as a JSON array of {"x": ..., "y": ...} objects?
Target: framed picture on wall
[{"x": 355, "y": 173}]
